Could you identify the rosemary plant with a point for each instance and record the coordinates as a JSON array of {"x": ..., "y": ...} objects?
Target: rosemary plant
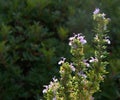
[{"x": 81, "y": 77}]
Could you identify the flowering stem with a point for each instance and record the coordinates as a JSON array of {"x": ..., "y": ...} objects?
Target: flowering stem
[{"x": 81, "y": 78}]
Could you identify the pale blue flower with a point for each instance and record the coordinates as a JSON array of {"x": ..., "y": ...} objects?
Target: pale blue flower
[
  {"x": 81, "y": 39},
  {"x": 81, "y": 73},
  {"x": 97, "y": 10}
]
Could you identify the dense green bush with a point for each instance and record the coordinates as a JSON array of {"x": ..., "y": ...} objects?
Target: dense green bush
[{"x": 33, "y": 36}]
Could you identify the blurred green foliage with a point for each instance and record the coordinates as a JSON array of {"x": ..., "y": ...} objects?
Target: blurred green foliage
[{"x": 34, "y": 35}]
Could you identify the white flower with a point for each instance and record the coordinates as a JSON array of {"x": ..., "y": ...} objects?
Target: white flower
[
  {"x": 71, "y": 38},
  {"x": 70, "y": 43},
  {"x": 86, "y": 64},
  {"x": 54, "y": 79},
  {"x": 93, "y": 59},
  {"x": 103, "y": 15},
  {"x": 107, "y": 40},
  {"x": 46, "y": 89},
  {"x": 62, "y": 60},
  {"x": 72, "y": 67},
  {"x": 51, "y": 84}
]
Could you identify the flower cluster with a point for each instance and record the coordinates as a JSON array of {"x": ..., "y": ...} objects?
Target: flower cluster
[
  {"x": 81, "y": 78},
  {"x": 50, "y": 86},
  {"x": 78, "y": 37},
  {"x": 91, "y": 60}
]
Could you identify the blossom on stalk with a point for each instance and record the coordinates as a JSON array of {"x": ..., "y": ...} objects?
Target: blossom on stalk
[
  {"x": 107, "y": 40},
  {"x": 81, "y": 39},
  {"x": 86, "y": 63},
  {"x": 46, "y": 89},
  {"x": 62, "y": 60},
  {"x": 54, "y": 79},
  {"x": 93, "y": 59},
  {"x": 72, "y": 67},
  {"x": 103, "y": 15},
  {"x": 81, "y": 73},
  {"x": 78, "y": 37},
  {"x": 52, "y": 85},
  {"x": 97, "y": 10}
]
